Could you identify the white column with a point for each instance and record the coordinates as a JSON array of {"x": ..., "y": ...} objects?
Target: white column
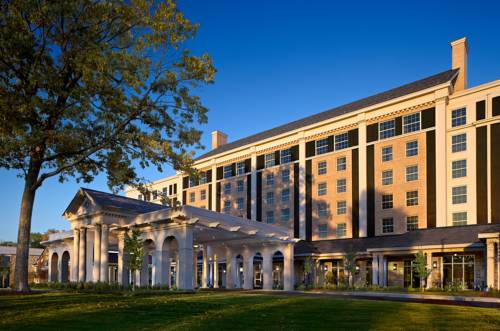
[
  {"x": 383, "y": 270},
  {"x": 215, "y": 269},
  {"x": 288, "y": 268},
  {"x": 428, "y": 256},
  {"x": 253, "y": 188},
  {"x": 122, "y": 269},
  {"x": 206, "y": 266},
  {"x": 490, "y": 263},
  {"x": 158, "y": 267},
  {"x": 185, "y": 261},
  {"x": 363, "y": 186},
  {"x": 195, "y": 268},
  {"x": 104, "y": 277},
  {"x": 441, "y": 162},
  {"x": 74, "y": 255},
  {"x": 59, "y": 268},
  {"x": 375, "y": 269},
  {"x": 267, "y": 269},
  {"x": 248, "y": 271},
  {"x": 213, "y": 207},
  {"x": 82, "y": 265},
  {"x": 231, "y": 267},
  {"x": 302, "y": 188},
  {"x": 96, "y": 268}
]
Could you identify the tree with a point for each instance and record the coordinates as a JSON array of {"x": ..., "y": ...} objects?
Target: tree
[
  {"x": 350, "y": 265},
  {"x": 35, "y": 240},
  {"x": 95, "y": 86},
  {"x": 134, "y": 251},
  {"x": 420, "y": 268}
]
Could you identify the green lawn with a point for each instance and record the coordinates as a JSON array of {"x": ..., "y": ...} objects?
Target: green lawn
[{"x": 231, "y": 310}]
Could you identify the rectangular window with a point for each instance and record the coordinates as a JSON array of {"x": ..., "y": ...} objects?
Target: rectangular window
[
  {"x": 341, "y": 163},
  {"x": 322, "y": 168},
  {"x": 411, "y": 173},
  {"x": 387, "y": 225},
  {"x": 460, "y": 218},
  {"x": 155, "y": 194},
  {"x": 458, "y": 117},
  {"x": 269, "y": 160},
  {"x": 387, "y": 177},
  {"x": 240, "y": 187},
  {"x": 270, "y": 179},
  {"x": 386, "y": 153},
  {"x": 322, "y": 209},
  {"x": 321, "y": 189},
  {"x": 270, "y": 217},
  {"x": 322, "y": 146},
  {"x": 286, "y": 156},
  {"x": 411, "y": 123},
  {"x": 459, "y": 143},
  {"x": 227, "y": 206},
  {"x": 228, "y": 171},
  {"x": 412, "y": 198},
  {"x": 387, "y": 201},
  {"x": 270, "y": 198},
  {"x": 459, "y": 168},
  {"x": 285, "y": 214},
  {"x": 192, "y": 197},
  {"x": 322, "y": 230},
  {"x": 203, "y": 194},
  {"x": 341, "y": 230},
  {"x": 459, "y": 194},
  {"x": 341, "y": 141},
  {"x": 341, "y": 185},
  {"x": 240, "y": 203},
  {"x": 285, "y": 195},
  {"x": 411, "y": 223},
  {"x": 139, "y": 197},
  {"x": 203, "y": 178},
  {"x": 387, "y": 129},
  {"x": 285, "y": 175},
  {"x": 227, "y": 188},
  {"x": 412, "y": 148},
  {"x": 341, "y": 207},
  {"x": 240, "y": 168}
]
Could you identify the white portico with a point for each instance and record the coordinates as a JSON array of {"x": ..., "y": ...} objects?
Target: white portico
[{"x": 181, "y": 246}]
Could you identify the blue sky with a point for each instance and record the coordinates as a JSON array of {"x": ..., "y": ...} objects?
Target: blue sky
[{"x": 278, "y": 61}]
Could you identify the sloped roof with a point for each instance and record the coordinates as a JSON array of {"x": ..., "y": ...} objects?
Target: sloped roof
[
  {"x": 11, "y": 250},
  {"x": 394, "y": 93}
]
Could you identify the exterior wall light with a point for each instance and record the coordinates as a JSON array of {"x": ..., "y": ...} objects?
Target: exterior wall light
[
  {"x": 395, "y": 267},
  {"x": 434, "y": 264},
  {"x": 357, "y": 267},
  {"x": 241, "y": 269},
  {"x": 326, "y": 268}
]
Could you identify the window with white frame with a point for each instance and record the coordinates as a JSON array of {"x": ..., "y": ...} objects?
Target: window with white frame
[
  {"x": 228, "y": 171},
  {"x": 411, "y": 173},
  {"x": 341, "y": 141},
  {"x": 322, "y": 209},
  {"x": 240, "y": 186},
  {"x": 341, "y": 207},
  {"x": 322, "y": 230},
  {"x": 192, "y": 197},
  {"x": 412, "y": 198},
  {"x": 227, "y": 206},
  {"x": 458, "y": 117},
  {"x": 387, "y": 225},
  {"x": 269, "y": 160},
  {"x": 322, "y": 189},
  {"x": 387, "y": 129},
  {"x": 240, "y": 168},
  {"x": 203, "y": 194},
  {"x": 139, "y": 197},
  {"x": 285, "y": 195},
  {"x": 203, "y": 178},
  {"x": 227, "y": 188},
  {"x": 240, "y": 203},
  {"x": 192, "y": 181},
  {"x": 341, "y": 230},
  {"x": 285, "y": 214},
  {"x": 459, "y": 194},
  {"x": 411, "y": 123},
  {"x": 386, "y": 153},
  {"x": 341, "y": 185},
  {"x": 387, "y": 177},
  {"x": 458, "y": 143},
  {"x": 341, "y": 163},
  {"x": 459, "y": 168},
  {"x": 155, "y": 194},
  {"x": 322, "y": 168},
  {"x": 270, "y": 179},
  {"x": 270, "y": 198},
  {"x": 286, "y": 156},
  {"x": 411, "y": 148},
  {"x": 411, "y": 223},
  {"x": 270, "y": 216},
  {"x": 285, "y": 175},
  {"x": 386, "y": 201},
  {"x": 321, "y": 146},
  {"x": 460, "y": 218}
]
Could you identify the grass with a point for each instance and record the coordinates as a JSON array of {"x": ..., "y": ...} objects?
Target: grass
[{"x": 230, "y": 311}]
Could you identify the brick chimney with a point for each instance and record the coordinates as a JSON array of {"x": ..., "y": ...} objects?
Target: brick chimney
[
  {"x": 459, "y": 55},
  {"x": 218, "y": 139}
]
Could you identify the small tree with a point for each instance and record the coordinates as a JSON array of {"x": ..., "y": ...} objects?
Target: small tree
[
  {"x": 350, "y": 265},
  {"x": 421, "y": 269},
  {"x": 307, "y": 271},
  {"x": 134, "y": 251}
]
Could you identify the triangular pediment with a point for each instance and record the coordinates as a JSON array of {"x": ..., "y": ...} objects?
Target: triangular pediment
[{"x": 81, "y": 204}]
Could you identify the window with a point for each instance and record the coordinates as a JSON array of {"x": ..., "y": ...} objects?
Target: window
[
  {"x": 341, "y": 141},
  {"x": 192, "y": 181},
  {"x": 459, "y": 168},
  {"x": 286, "y": 156},
  {"x": 341, "y": 207},
  {"x": 411, "y": 173},
  {"x": 387, "y": 201},
  {"x": 203, "y": 178},
  {"x": 155, "y": 194},
  {"x": 285, "y": 175},
  {"x": 387, "y": 129},
  {"x": 270, "y": 217},
  {"x": 240, "y": 168},
  {"x": 412, "y": 198},
  {"x": 459, "y": 269},
  {"x": 411, "y": 223},
  {"x": 139, "y": 197},
  {"x": 341, "y": 185},
  {"x": 203, "y": 194},
  {"x": 458, "y": 117},
  {"x": 341, "y": 229},
  {"x": 270, "y": 198},
  {"x": 227, "y": 188},
  {"x": 321, "y": 189},
  {"x": 460, "y": 218},
  {"x": 322, "y": 209},
  {"x": 240, "y": 186},
  {"x": 192, "y": 197},
  {"x": 411, "y": 123},
  {"x": 322, "y": 168},
  {"x": 459, "y": 143},
  {"x": 285, "y": 214},
  {"x": 459, "y": 194},
  {"x": 240, "y": 203},
  {"x": 322, "y": 146},
  {"x": 341, "y": 163},
  {"x": 285, "y": 195},
  {"x": 269, "y": 160},
  {"x": 322, "y": 230},
  {"x": 270, "y": 179},
  {"x": 386, "y": 153},
  {"x": 228, "y": 171},
  {"x": 387, "y": 225},
  {"x": 387, "y": 177},
  {"x": 227, "y": 206},
  {"x": 412, "y": 148}
]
